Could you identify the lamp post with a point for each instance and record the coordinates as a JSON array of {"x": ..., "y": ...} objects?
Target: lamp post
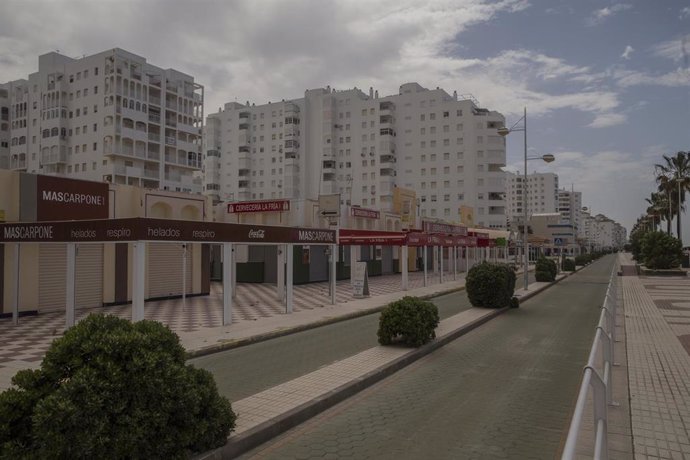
[{"x": 503, "y": 131}]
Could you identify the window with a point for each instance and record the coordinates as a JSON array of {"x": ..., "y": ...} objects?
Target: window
[
  {"x": 422, "y": 131},
  {"x": 95, "y": 90},
  {"x": 421, "y": 117},
  {"x": 95, "y": 70},
  {"x": 432, "y": 130},
  {"x": 446, "y": 114},
  {"x": 459, "y": 113},
  {"x": 432, "y": 116},
  {"x": 95, "y": 147}
]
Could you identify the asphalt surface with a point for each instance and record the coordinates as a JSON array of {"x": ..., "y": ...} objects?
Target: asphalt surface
[
  {"x": 247, "y": 370},
  {"x": 504, "y": 390}
]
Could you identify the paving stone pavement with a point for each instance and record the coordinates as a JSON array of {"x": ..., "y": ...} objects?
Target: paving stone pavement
[{"x": 659, "y": 365}]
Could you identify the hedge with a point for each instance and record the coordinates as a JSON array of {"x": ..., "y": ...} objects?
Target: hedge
[
  {"x": 410, "y": 321},
  {"x": 490, "y": 285}
]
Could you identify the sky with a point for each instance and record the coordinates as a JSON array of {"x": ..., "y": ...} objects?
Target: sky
[{"x": 606, "y": 84}]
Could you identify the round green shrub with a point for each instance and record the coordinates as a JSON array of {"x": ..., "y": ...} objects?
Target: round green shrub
[
  {"x": 112, "y": 389},
  {"x": 490, "y": 285},
  {"x": 410, "y": 321},
  {"x": 661, "y": 251},
  {"x": 582, "y": 259},
  {"x": 546, "y": 270},
  {"x": 568, "y": 265}
]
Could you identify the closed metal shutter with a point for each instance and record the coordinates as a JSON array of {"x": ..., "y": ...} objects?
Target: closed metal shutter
[
  {"x": 89, "y": 276},
  {"x": 52, "y": 276},
  {"x": 165, "y": 269}
]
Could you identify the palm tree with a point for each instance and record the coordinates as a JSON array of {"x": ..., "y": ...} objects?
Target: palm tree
[
  {"x": 667, "y": 188},
  {"x": 659, "y": 209},
  {"x": 676, "y": 170}
]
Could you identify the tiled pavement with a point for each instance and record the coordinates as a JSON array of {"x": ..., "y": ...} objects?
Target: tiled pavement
[
  {"x": 24, "y": 345},
  {"x": 657, "y": 322}
]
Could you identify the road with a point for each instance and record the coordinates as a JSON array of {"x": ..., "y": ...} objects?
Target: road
[
  {"x": 504, "y": 390},
  {"x": 245, "y": 371}
]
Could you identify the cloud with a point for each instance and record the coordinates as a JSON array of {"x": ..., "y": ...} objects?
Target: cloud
[
  {"x": 270, "y": 50},
  {"x": 676, "y": 78},
  {"x": 628, "y": 51},
  {"x": 676, "y": 49},
  {"x": 685, "y": 13},
  {"x": 606, "y": 120},
  {"x": 599, "y": 16}
]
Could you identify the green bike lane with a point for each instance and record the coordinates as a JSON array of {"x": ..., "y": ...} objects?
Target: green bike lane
[
  {"x": 504, "y": 390},
  {"x": 247, "y": 370}
]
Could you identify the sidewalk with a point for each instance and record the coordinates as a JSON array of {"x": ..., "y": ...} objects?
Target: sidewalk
[{"x": 657, "y": 323}]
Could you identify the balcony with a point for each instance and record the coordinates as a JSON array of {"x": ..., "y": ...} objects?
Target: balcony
[
  {"x": 243, "y": 185},
  {"x": 53, "y": 158},
  {"x": 155, "y": 137},
  {"x": 244, "y": 163},
  {"x": 291, "y": 109},
  {"x": 243, "y": 126},
  {"x": 291, "y": 165},
  {"x": 244, "y": 115},
  {"x": 169, "y": 140},
  {"x": 387, "y": 161},
  {"x": 243, "y": 172},
  {"x": 243, "y": 149},
  {"x": 155, "y": 118},
  {"x": 155, "y": 100},
  {"x": 387, "y": 133}
]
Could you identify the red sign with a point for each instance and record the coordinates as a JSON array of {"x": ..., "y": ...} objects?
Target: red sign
[
  {"x": 449, "y": 229},
  {"x": 366, "y": 213},
  {"x": 370, "y": 237},
  {"x": 259, "y": 206},
  {"x": 59, "y": 198}
]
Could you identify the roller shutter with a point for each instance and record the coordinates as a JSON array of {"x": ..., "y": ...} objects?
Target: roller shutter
[
  {"x": 52, "y": 276},
  {"x": 165, "y": 269},
  {"x": 89, "y": 276}
]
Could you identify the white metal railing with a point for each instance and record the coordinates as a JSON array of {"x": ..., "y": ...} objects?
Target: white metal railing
[{"x": 597, "y": 380}]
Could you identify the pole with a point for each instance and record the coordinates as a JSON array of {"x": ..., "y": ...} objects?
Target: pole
[
  {"x": 17, "y": 279},
  {"x": 524, "y": 224},
  {"x": 184, "y": 276},
  {"x": 680, "y": 237},
  {"x": 227, "y": 284}
]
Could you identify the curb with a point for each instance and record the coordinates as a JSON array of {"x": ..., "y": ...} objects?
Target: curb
[{"x": 303, "y": 327}]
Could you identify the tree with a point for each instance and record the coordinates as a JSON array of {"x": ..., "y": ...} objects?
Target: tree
[
  {"x": 658, "y": 208},
  {"x": 112, "y": 389},
  {"x": 674, "y": 176}
]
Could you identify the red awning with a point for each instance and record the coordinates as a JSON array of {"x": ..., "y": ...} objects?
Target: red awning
[{"x": 370, "y": 238}]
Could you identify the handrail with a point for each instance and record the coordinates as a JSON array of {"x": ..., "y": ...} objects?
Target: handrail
[{"x": 598, "y": 381}]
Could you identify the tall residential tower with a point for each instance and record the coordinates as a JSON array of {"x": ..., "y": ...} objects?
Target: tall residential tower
[
  {"x": 110, "y": 116},
  {"x": 362, "y": 146}
]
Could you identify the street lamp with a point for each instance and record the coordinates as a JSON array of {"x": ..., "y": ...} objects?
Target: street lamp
[{"x": 503, "y": 131}]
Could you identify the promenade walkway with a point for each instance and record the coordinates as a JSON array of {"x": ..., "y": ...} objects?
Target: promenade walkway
[{"x": 657, "y": 323}]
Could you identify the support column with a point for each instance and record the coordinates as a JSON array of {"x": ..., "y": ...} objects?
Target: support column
[
  {"x": 184, "y": 276},
  {"x": 280, "y": 284},
  {"x": 403, "y": 266},
  {"x": 70, "y": 297},
  {"x": 455, "y": 263},
  {"x": 354, "y": 251},
  {"x": 425, "y": 271},
  {"x": 233, "y": 277},
  {"x": 228, "y": 273},
  {"x": 139, "y": 273},
  {"x": 288, "y": 282},
  {"x": 440, "y": 264},
  {"x": 334, "y": 258},
  {"x": 15, "y": 294}
]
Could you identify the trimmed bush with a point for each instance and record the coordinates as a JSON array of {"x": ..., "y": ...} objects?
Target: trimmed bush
[
  {"x": 490, "y": 285},
  {"x": 410, "y": 321},
  {"x": 546, "y": 270},
  {"x": 568, "y": 265},
  {"x": 661, "y": 251},
  {"x": 112, "y": 389},
  {"x": 582, "y": 259}
]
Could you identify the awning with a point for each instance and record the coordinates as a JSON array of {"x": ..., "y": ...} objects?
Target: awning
[{"x": 370, "y": 238}]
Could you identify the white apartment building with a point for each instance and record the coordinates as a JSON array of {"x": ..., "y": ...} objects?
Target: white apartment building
[
  {"x": 4, "y": 126},
  {"x": 362, "y": 146},
  {"x": 599, "y": 232},
  {"x": 107, "y": 117},
  {"x": 570, "y": 205},
  {"x": 541, "y": 193}
]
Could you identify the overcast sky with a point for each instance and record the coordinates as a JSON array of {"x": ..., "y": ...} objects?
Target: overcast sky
[{"x": 606, "y": 83}]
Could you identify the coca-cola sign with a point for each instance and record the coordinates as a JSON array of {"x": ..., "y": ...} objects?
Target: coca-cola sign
[{"x": 257, "y": 234}]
